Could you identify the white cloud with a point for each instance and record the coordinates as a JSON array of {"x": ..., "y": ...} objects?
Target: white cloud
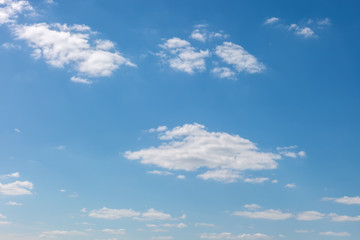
[
  {"x": 62, "y": 190},
  {"x": 62, "y": 45},
  {"x": 302, "y": 154},
  {"x": 204, "y": 225},
  {"x": 168, "y": 225},
  {"x": 252, "y": 206},
  {"x": 275, "y": 181},
  {"x": 5, "y": 222},
  {"x": 55, "y": 233},
  {"x": 290, "y": 185},
  {"x": 221, "y": 175},
  {"x": 191, "y": 146},
  {"x": 271, "y": 20},
  {"x": 227, "y": 235},
  {"x": 344, "y": 218},
  {"x": 162, "y": 238},
  {"x": 335, "y": 234},
  {"x": 181, "y": 176},
  {"x": 324, "y": 22},
  {"x": 119, "y": 231},
  {"x": 8, "y": 45},
  {"x": 345, "y": 200},
  {"x": 302, "y": 31},
  {"x": 256, "y": 180},
  {"x": 162, "y": 173},
  {"x": 223, "y": 72},
  {"x": 152, "y": 214},
  {"x": 14, "y": 203},
  {"x": 61, "y": 147},
  {"x": 16, "y": 130},
  {"x": 303, "y": 231},
  {"x": 309, "y": 216},
  {"x": 158, "y": 129},
  {"x": 199, "y": 34},
  {"x": 237, "y": 56},
  {"x": 112, "y": 214},
  {"x": 16, "y": 188},
  {"x": 80, "y": 80},
  {"x": 268, "y": 214},
  {"x": 2, "y": 216},
  {"x": 10, "y": 9},
  {"x": 181, "y": 56},
  {"x": 12, "y": 175}
]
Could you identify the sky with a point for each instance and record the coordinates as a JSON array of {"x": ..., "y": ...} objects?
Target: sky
[{"x": 173, "y": 120}]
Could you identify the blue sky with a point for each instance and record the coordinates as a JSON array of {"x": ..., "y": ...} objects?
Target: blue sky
[{"x": 177, "y": 120}]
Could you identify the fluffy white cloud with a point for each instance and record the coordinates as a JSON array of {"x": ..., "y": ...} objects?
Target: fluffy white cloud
[
  {"x": 162, "y": 173},
  {"x": 62, "y": 45},
  {"x": 153, "y": 214},
  {"x": 271, "y": 20},
  {"x": 204, "y": 225},
  {"x": 112, "y": 214},
  {"x": 237, "y": 56},
  {"x": 227, "y": 235},
  {"x": 199, "y": 34},
  {"x": 120, "y": 231},
  {"x": 221, "y": 175},
  {"x": 344, "y": 218},
  {"x": 309, "y": 216},
  {"x": 14, "y": 203},
  {"x": 181, "y": 56},
  {"x": 10, "y": 9},
  {"x": 202, "y": 34},
  {"x": 168, "y": 225},
  {"x": 290, "y": 185},
  {"x": 335, "y": 234},
  {"x": 252, "y": 206},
  {"x": 345, "y": 200},
  {"x": 55, "y": 233},
  {"x": 12, "y": 175},
  {"x": 302, "y": 31},
  {"x": 16, "y": 188},
  {"x": 268, "y": 214},
  {"x": 191, "y": 146},
  {"x": 181, "y": 176},
  {"x": 256, "y": 180},
  {"x": 223, "y": 72},
  {"x": 80, "y": 80},
  {"x": 162, "y": 238}
]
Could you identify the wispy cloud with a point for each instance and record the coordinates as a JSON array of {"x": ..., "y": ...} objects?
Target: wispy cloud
[
  {"x": 345, "y": 200},
  {"x": 16, "y": 188},
  {"x": 268, "y": 214},
  {"x": 227, "y": 235}
]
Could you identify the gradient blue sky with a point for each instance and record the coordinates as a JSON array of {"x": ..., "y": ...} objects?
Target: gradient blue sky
[{"x": 179, "y": 120}]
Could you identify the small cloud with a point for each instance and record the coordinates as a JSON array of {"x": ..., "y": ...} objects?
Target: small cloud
[
  {"x": 302, "y": 31},
  {"x": 256, "y": 180},
  {"x": 302, "y": 154},
  {"x": 161, "y": 173},
  {"x": 290, "y": 185},
  {"x": 61, "y": 147},
  {"x": 324, "y": 22},
  {"x": 224, "y": 72},
  {"x": 74, "y": 195},
  {"x": 8, "y": 46},
  {"x": 309, "y": 216},
  {"x": 252, "y": 206},
  {"x": 268, "y": 214},
  {"x": 345, "y": 200},
  {"x": 335, "y": 234},
  {"x": 62, "y": 190},
  {"x": 14, "y": 203},
  {"x": 180, "y": 176},
  {"x": 271, "y": 20},
  {"x": 12, "y": 175},
  {"x": 16, "y": 188},
  {"x": 275, "y": 181},
  {"x": 17, "y": 130},
  {"x": 80, "y": 80},
  {"x": 83, "y": 210},
  {"x": 204, "y": 225}
]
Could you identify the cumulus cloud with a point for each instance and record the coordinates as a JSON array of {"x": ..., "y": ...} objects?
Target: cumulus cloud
[
  {"x": 55, "y": 233},
  {"x": 227, "y": 235},
  {"x": 10, "y": 10},
  {"x": 345, "y": 200},
  {"x": 16, "y": 188},
  {"x": 12, "y": 175},
  {"x": 309, "y": 216},
  {"x": 338, "y": 218},
  {"x": 238, "y": 57},
  {"x": 112, "y": 214},
  {"x": 162, "y": 173},
  {"x": 168, "y": 225},
  {"x": 14, "y": 203},
  {"x": 223, "y": 72},
  {"x": 80, "y": 80},
  {"x": 221, "y": 175},
  {"x": 181, "y": 56},
  {"x": 119, "y": 231},
  {"x": 290, "y": 185},
  {"x": 271, "y": 20},
  {"x": 62, "y": 45},
  {"x": 268, "y": 214},
  {"x": 152, "y": 214},
  {"x": 306, "y": 32},
  {"x": 252, "y": 206},
  {"x": 202, "y": 34},
  {"x": 191, "y": 146},
  {"x": 335, "y": 234},
  {"x": 256, "y": 180}
]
